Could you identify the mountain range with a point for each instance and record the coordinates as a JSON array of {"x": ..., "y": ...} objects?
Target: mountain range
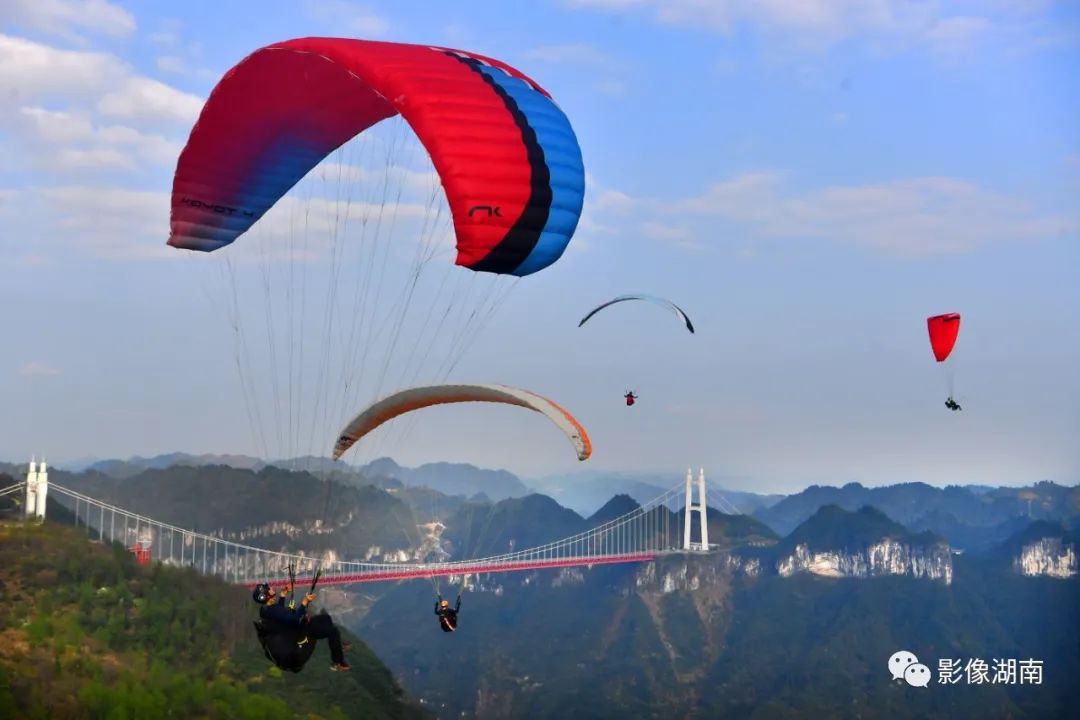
[
  {"x": 583, "y": 492},
  {"x": 747, "y": 632},
  {"x": 794, "y": 613}
]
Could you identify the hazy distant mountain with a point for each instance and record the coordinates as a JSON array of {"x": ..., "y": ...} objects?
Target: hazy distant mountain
[
  {"x": 614, "y": 508},
  {"x": 586, "y": 491},
  {"x": 833, "y": 528},
  {"x": 481, "y": 529},
  {"x": 451, "y": 478},
  {"x": 1040, "y": 549},
  {"x": 968, "y": 537},
  {"x": 834, "y": 542},
  {"x": 314, "y": 464},
  {"x": 953, "y": 511},
  {"x": 134, "y": 465},
  {"x": 272, "y": 508},
  {"x": 19, "y": 467},
  {"x": 78, "y": 464},
  {"x": 120, "y": 469}
]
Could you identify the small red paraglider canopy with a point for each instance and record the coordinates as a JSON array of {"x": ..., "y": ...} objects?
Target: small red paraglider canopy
[{"x": 943, "y": 331}]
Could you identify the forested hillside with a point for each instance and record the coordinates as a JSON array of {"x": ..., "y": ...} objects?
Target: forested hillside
[{"x": 88, "y": 633}]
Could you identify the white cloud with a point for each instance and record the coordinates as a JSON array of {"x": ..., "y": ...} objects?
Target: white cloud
[
  {"x": 609, "y": 200},
  {"x": 414, "y": 184},
  {"x": 93, "y": 221},
  {"x": 577, "y": 53},
  {"x": 66, "y": 17},
  {"x": 37, "y": 369},
  {"x": 164, "y": 39},
  {"x": 813, "y": 22},
  {"x": 147, "y": 147},
  {"x": 177, "y": 65},
  {"x": 835, "y": 18},
  {"x": 141, "y": 98},
  {"x": 611, "y": 88},
  {"x": 53, "y": 126},
  {"x": 109, "y": 211},
  {"x": 604, "y": 208},
  {"x": 92, "y": 159},
  {"x": 913, "y": 217},
  {"x": 356, "y": 18},
  {"x": 948, "y": 29},
  {"x": 743, "y": 196},
  {"x": 178, "y": 55},
  {"x": 31, "y": 72},
  {"x": 587, "y": 226},
  {"x": 956, "y": 35},
  {"x": 167, "y": 34},
  {"x": 660, "y": 231},
  {"x": 171, "y": 64},
  {"x": 584, "y": 56},
  {"x": 58, "y": 105},
  {"x": 681, "y": 237},
  {"x": 59, "y": 140}
]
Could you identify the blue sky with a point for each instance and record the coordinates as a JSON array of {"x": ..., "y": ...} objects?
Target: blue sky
[{"x": 808, "y": 180}]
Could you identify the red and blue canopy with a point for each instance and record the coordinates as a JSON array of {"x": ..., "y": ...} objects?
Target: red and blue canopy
[{"x": 506, "y": 154}]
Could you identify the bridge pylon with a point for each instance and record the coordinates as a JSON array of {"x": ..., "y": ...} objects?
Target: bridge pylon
[
  {"x": 700, "y": 508},
  {"x": 37, "y": 489}
]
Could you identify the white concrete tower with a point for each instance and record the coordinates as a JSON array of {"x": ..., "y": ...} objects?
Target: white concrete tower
[
  {"x": 700, "y": 508},
  {"x": 30, "y": 506},
  {"x": 42, "y": 489},
  {"x": 37, "y": 489},
  {"x": 702, "y": 513}
]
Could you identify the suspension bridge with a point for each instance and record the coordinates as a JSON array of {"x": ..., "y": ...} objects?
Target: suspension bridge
[{"x": 661, "y": 526}]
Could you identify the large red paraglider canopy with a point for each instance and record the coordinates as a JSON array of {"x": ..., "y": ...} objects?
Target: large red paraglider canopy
[{"x": 505, "y": 153}]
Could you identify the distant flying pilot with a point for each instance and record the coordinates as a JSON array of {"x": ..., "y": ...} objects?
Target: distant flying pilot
[
  {"x": 952, "y": 405},
  {"x": 630, "y": 398}
]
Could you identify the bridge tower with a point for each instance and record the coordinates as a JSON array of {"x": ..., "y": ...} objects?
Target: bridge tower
[
  {"x": 37, "y": 489},
  {"x": 700, "y": 507}
]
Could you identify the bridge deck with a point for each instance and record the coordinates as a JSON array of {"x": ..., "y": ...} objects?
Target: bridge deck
[{"x": 412, "y": 572}]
